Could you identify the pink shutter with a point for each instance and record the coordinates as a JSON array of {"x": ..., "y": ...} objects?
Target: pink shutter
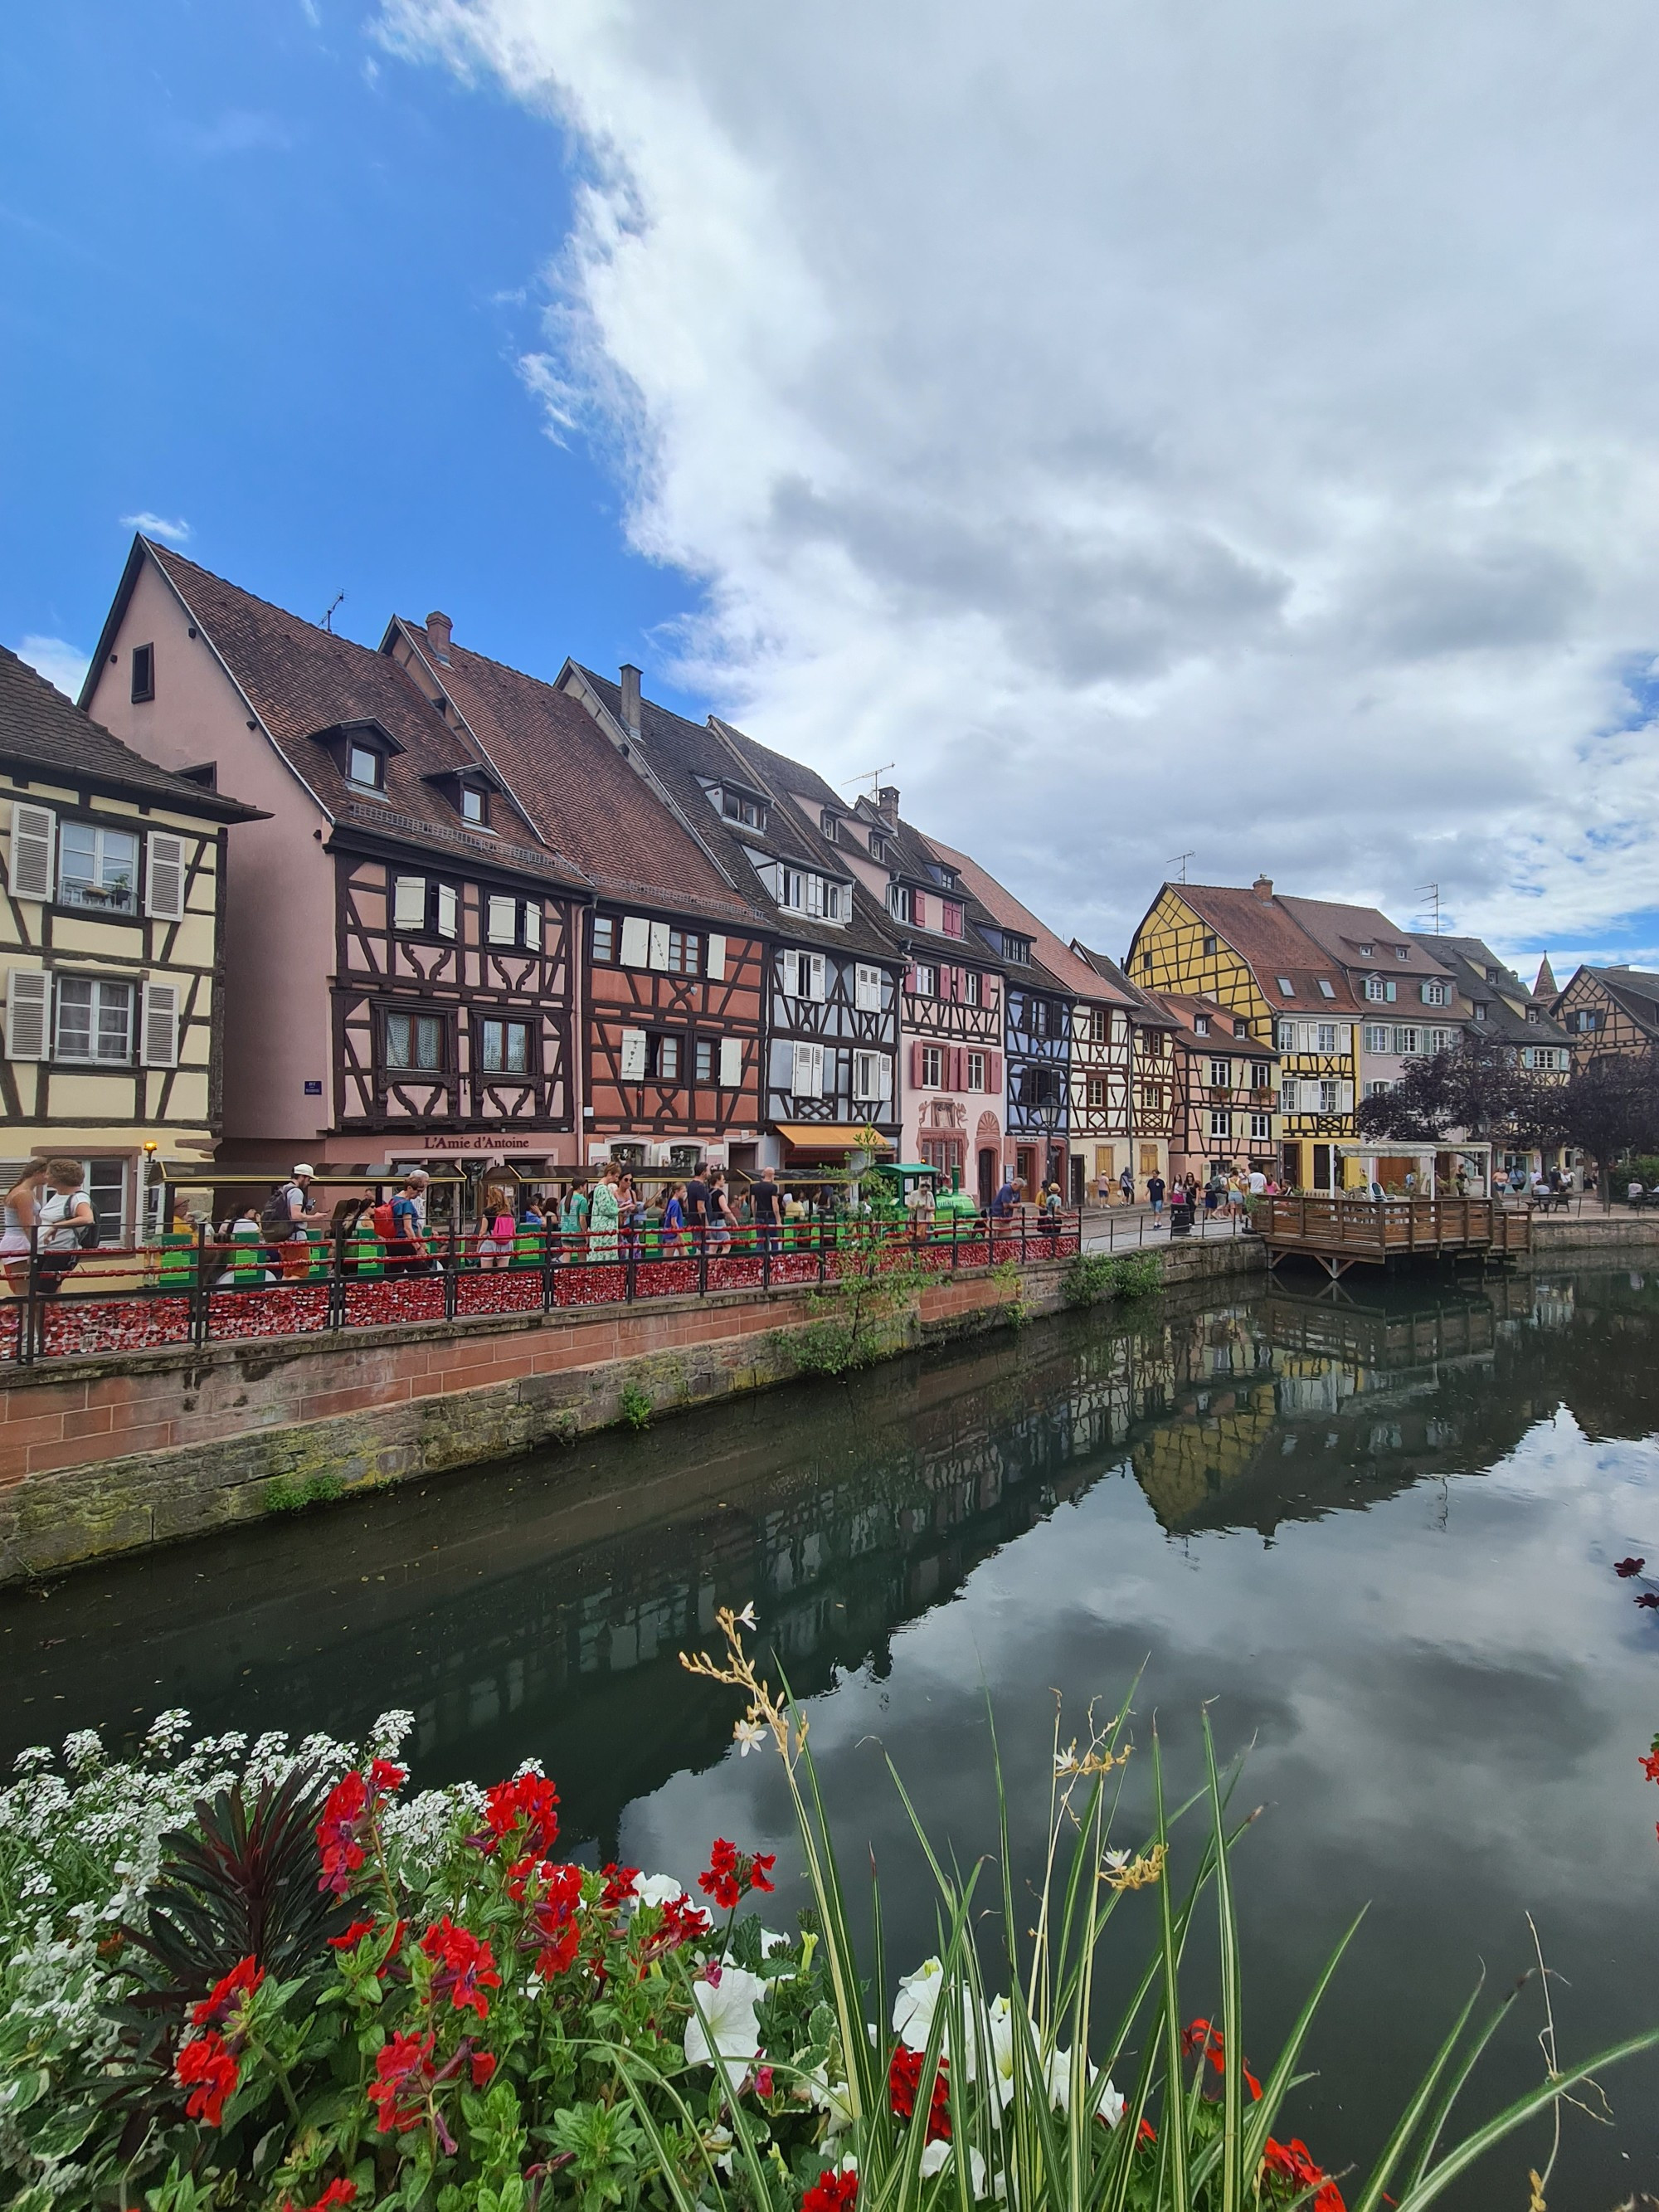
[
  {"x": 994, "y": 1070},
  {"x": 910, "y": 981},
  {"x": 919, "y": 909},
  {"x": 915, "y": 1067},
  {"x": 958, "y": 1068}
]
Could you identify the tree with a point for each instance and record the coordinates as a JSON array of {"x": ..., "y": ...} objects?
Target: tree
[
  {"x": 1608, "y": 1106},
  {"x": 1470, "y": 1091}
]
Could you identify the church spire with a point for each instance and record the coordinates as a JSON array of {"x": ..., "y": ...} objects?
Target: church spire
[{"x": 1543, "y": 986}]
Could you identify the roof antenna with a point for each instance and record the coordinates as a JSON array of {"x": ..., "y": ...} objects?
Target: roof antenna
[
  {"x": 1431, "y": 893},
  {"x": 873, "y": 776},
  {"x": 328, "y": 619},
  {"x": 1180, "y": 861}
]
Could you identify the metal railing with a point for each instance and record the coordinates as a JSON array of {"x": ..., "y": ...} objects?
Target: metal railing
[{"x": 187, "y": 1289}]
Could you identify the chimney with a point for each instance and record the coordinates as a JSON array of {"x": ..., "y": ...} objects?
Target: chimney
[
  {"x": 887, "y": 804},
  {"x": 1263, "y": 888},
  {"x": 437, "y": 631},
  {"x": 631, "y": 698}
]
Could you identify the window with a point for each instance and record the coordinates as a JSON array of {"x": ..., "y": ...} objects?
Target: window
[
  {"x": 414, "y": 1041},
  {"x": 504, "y": 1048},
  {"x": 1330, "y": 1097},
  {"x": 1016, "y": 949},
  {"x": 1375, "y": 989},
  {"x": 1287, "y": 1096},
  {"x": 925, "y": 983},
  {"x": 1097, "y": 1091},
  {"x": 973, "y": 987},
  {"x": 420, "y": 904},
  {"x": 1327, "y": 1038},
  {"x": 1406, "y": 1043},
  {"x": 1548, "y": 1058},
  {"x": 1585, "y": 1021},
  {"x": 1327, "y": 989},
  {"x": 1436, "y": 994},
  {"x": 877, "y": 846},
  {"x": 1368, "y": 952},
  {"x": 662, "y": 1059},
  {"x": 1402, "y": 952},
  {"x": 829, "y": 826},
  {"x": 933, "y": 1067},
  {"x": 1261, "y": 1127},
  {"x": 1099, "y": 1025},
  {"x": 1287, "y": 1037},
  {"x": 1286, "y": 986},
  {"x": 1241, "y": 1028},
  {"x": 801, "y": 892},
  {"x": 95, "y": 1021},
  {"x": 1261, "y": 1075},
  {"x": 1221, "y": 1121},
  {"x": 1209, "y": 953},
  {"x": 703, "y": 1060},
  {"x": 872, "y": 1076},
  {"x": 1221, "y": 1075},
  {"x": 1145, "y": 960},
  {"x": 976, "y": 1071},
  {"x": 898, "y": 901},
  {"x": 1201, "y": 1024},
  {"x": 944, "y": 877},
  {"x": 604, "y": 938},
  {"x": 98, "y": 868},
  {"x": 475, "y": 806},
  {"x": 685, "y": 953},
  {"x": 950, "y": 917},
  {"x": 365, "y": 767},
  {"x": 1375, "y": 1037},
  {"x": 1151, "y": 1097},
  {"x": 867, "y": 989},
  {"x": 143, "y": 672},
  {"x": 738, "y": 806},
  {"x": 1378, "y": 1089},
  {"x": 1042, "y": 1018},
  {"x": 1439, "y": 1040}
]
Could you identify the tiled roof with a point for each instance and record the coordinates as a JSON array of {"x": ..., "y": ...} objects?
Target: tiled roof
[
  {"x": 1344, "y": 932},
  {"x": 1071, "y": 974},
  {"x": 1268, "y": 937},
  {"x": 1184, "y": 1012},
  {"x": 681, "y": 751},
  {"x": 1147, "y": 1010},
  {"x": 300, "y": 680},
  {"x": 1466, "y": 959},
  {"x": 1635, "y": 991},
  {"x": 583, "y": 796},
  {"x": 40, "y": 728},
  {"x": 788, "y": 774}
]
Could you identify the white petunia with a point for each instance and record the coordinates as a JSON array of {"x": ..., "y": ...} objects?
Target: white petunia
[
  {"x": 916, "y": 2002},
  {"x": 723, "y": 2019},
  {"x": 657, "y": 1889},
  {"x": 834, "y": 2099}
]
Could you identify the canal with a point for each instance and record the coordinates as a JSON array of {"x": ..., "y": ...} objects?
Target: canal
[{"x": 1379, "y": 1537}]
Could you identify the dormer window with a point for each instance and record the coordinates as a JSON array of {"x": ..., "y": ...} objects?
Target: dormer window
[
  {"x": 1402, "y": 952},
  {"x": 946, "y": 877},
  {"x": 829, "y": 826},
  {"x": 366, "y": 766},
  {"x": 877, "y": 846},
  {"x": 1201, "y": 1025},
  {"x": 1016, "y": 950},
  {"x": 898, "y": 901},
  {"x": 1286, "y": 987},
  {"x": 800, "y": 890},
  {"x": 1368, "y": 952},
  {"x": 741, "y": 806},
  {"x": 475, "y": 806}
]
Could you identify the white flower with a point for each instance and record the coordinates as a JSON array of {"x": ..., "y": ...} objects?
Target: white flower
[
  {"x": 916, "y": 2002},
  {"x": 724, "y": 2019},
  {"x": 657, "y": 1889},
  {"x": 834, "y": 2099},
  {"x": 746, "y": 1618},
  {"x": 747, "y": 1735},
  {"x": 934, "y": 2160},
  {"x": 1116, "y": 1860},
  {"x": 1102, "y": 2097}
]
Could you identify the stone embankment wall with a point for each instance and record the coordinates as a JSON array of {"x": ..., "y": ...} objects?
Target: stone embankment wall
[{"x": 116, "y": 1452}]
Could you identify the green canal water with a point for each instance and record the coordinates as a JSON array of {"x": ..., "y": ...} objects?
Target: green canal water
[{"x": 1379, "y": 1537}]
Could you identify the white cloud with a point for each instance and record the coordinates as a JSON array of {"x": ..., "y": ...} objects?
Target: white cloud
[
  {"x": 157, "y": 525},
  {"x": 57, "y": 660},
  {"x": 1152, "y": 429}
]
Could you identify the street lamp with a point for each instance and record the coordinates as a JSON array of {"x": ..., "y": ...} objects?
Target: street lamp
[{"x": 1048, "y": 1115}]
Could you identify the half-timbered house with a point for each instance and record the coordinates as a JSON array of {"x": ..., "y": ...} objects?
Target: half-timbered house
[
  {"x": 674, "y": 975},
  {"x": 1609, "y": 1010},
  {"x": 1098, "y": 1098},
  {"x": 1224, "y": 1089},
  {"x": 399, "y": 951},
  {"x": 1155, "y": 1080},
  {"x": 1501, "y": 1009},
  {"x": 1413, "y": 1006},
  {"x": 111, "y": 927}
]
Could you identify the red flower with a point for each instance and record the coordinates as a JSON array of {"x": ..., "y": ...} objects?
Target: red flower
[
  {"x": 554, "y": 1925},
  {"x": 1202, "y": 2036},
  {"x": 1650, "y": 1764},
  {"x": 383, "y": 1778},
  {"x": 483, "y": 2065},
  {"x": 228, "y": 1995},
  {"x": 1626, "y": 1568},
  {"x": 1294, "y": 2162},
  {"x": 467, "y": 1965},
  {"x": 679, "y": 1922},
  {"x": 352, "y": 1937},
  {"x": 404, "y": 2073},
  {"x": 831, "y": 2192},
  {"x": 904, "y": 2079},
  {"x": 1146, "y": 2132},
  {"x": 731, "y": 1873},
  {"x": 338, "y": 2192},
  {"x": 619, "y": 1884},
  {"x": 208, "y": 2070},
  {"x": 528, "y": 1803},
  {"x": 347, "y": 1817}
]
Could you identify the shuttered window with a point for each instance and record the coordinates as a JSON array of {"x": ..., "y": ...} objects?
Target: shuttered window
[
  {"x": 34, "y": 834},
  {"x": 633, "y": 1055},
  {"x": 27, "y": 995},
  {"x": 164, "y": 883},
  {"x": 731, "y": 1063},
  {"x": 445, "y": 915},
  {"x": 635, "y": 942},
  {"x": 409, "y": 903},
  {"x": 866, "y": 990},
  {"x": 502, "y": 920},
  {"x": 717, "y": 959},
  {"x": 160, "y": 1028},
  {"x": 533, "y": 928},
  {"x": 658, "y": 945},
  {"x": 808, "y": 1071}
]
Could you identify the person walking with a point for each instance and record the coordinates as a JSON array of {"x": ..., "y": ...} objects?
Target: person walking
[
  {"x": 673, "y": 1222},
  {"x": 573, "y": 1221},
  {"x": 405, "y": 1247},
  {"x": 1154, "y": 1189},
  {"x": 287, "y": 1218},
  {"x": 604, "y": 1215},
  {"x": 496, "y": 1221},
  {"x": 696, "y": 1206},
  {"x": 1002, "y": 1205},
  {"x": 719, "y": 1213},
  {"x": 767, "y": 1198},
  {"x": 60, "y": 1215},
  {"x": 1126, "y": 1183}
]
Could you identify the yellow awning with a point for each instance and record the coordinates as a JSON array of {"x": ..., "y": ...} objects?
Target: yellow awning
[{"x": 832, "y": 1137}]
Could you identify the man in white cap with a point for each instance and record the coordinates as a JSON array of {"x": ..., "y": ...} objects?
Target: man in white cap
[{"x": 292, "y": 1205}]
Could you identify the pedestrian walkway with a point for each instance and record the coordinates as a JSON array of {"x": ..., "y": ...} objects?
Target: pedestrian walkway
[{"x": 1130, "y": 1227}]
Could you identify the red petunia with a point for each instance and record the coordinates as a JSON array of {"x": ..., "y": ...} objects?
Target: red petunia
[
  {"x": 528, "y": 1803},
  {"x": 732, "y": 1872},
  {"x": 831, "y": 2192},
  {"x": 208, "y": 2071},
  {"x": 404, "y": 2077},
  {"x": 348, "y": 1813},
  {"x": 1626, "y": 1568},
  {"x": 620, "y": 1883},
  {"x": 905, "y": 2079},
  {"x": 483, "y": 2065},
  {"x": 466, "y": 1966},
  {"x": 338, "y": 2192},
  {"x": 228, "y": 1995}
]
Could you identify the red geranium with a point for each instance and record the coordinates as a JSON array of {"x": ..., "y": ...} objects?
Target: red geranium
[
  {"x": 732, "y": 1872},
  {"x": 1203, "y": 2037},
  {"x": 1294, "y": 2162},
  {"x": 404, "y": 2077},
  {"x": 352, "y": 1806},
  {"x": 338, "y": 2192},
  {"x": 466, "y": 1966},
  {"x": 228, "y": 1995},
  {"x": 905, "y": 2079},
  {"x": 619, "y": 1885},
  {"x": 1650, "y": 1763},
  {"x": 528, "y": 1802},
  {"x": 831, "y": 2192},
  {"x": 208, "y": 2071}
]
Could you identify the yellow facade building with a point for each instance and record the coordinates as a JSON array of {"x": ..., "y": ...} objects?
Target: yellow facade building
[{"x": 110, "y": 952}]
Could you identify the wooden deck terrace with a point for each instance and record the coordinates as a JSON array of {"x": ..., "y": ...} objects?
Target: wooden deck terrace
[{"x": 1340, "y": 1233}]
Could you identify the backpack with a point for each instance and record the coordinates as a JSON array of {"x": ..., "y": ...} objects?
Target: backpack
[
  {"x": 277, "y": 1220},
  {"x": 384, "y": 1221}
]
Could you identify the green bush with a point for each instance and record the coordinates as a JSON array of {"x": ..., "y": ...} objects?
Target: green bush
[
  {"x": 1093, "y": 1277},
  {"x": 635, "y": 1406}
]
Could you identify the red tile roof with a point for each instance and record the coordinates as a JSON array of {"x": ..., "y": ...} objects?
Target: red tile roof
[
  {"x": 1268, "y": 937},
  {"x": 1344, "y": 931},
  {"x": 1074, "y": 974}
]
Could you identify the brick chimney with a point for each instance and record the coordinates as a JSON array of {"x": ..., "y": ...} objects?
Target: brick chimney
[
  {"x": 437, "y": 631},
  {"x": 1263, "y": 888},
  {"x": 887, "y": 800},
  {"x": 631, "y": 698}
]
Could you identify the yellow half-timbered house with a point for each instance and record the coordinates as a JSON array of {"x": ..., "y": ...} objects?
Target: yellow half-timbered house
[{"x": 110, "y": 952}]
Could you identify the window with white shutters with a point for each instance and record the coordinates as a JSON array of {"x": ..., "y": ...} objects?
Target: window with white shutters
[
  {"x": 731, "y": 1063},
  {"x": 867, "y": 989},
  {"x": 33, "y": 834},
  {"x": 658, "y": 951},
  {"x": 27, "y": 998},
  {"x": 716, "y": 959},
  {"x": 160, "y": 1028},
  {"x": 636, "y": 941},
  {"x": 409, "y": 903},
  {"x": 808, "y": 1071},
  {"x": 94, "y": 1020},
  {"x": 446, "y": 914},
  {"x": 814, "y": 977},
  {"x": 502, "y": 920},
  {"x": 533, "y": 928},
  {"x": 164, "y": 877},
  {"x": 633, "y": 1055}
]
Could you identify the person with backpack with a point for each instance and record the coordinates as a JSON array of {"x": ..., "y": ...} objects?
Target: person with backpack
[
  {"x": 398, "y": 1224},
  {"x": 287, "y": 1217},
  {"x": 496, "y": 1245}
]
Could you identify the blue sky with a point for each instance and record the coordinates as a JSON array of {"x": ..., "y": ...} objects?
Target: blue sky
[
  {"x": 1152, "y": 431},
  {"x": 266, "y": 279}
]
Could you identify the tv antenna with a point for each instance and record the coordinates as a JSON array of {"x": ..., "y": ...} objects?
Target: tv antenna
[
  {"x": 873, "y": 776},
  {"x": 1431, "y": 894},
  {"x": 1180, "y": 861},
  {"x": 328, "y": 619}
]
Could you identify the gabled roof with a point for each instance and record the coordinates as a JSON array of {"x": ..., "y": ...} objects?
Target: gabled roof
[
  {"x": 41, "y": 729},
  {"x": 582, "y": 795},
  {"x": 301, "y": 681},
  {"x": 1146, "y": 1010},
  {"x": 1075, "y": 976},
  {"x": 684, "y": 753},
  {"x": 1345, "y": 931},
  {"x": 1182, "y": 1013},
  {"x": 1469, "y": 961},
  {"x": 1636, "y": 991},
  {"x": 1267, "y": 937}
]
